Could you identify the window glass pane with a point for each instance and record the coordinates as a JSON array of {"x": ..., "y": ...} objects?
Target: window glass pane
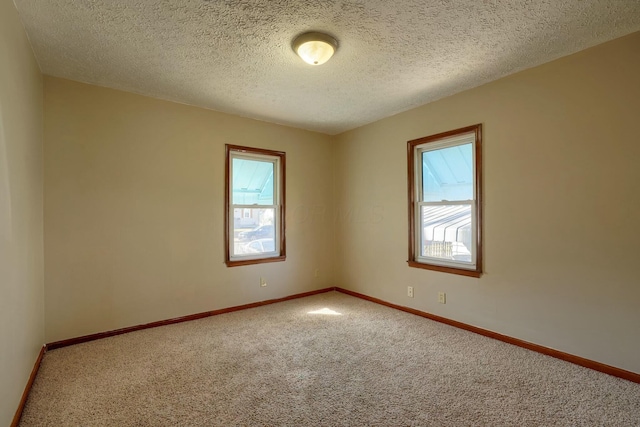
[
  {"x": 447, "y": 173},
  {"x": 446, "y": 232},
  {"x": 253, "y": 231},
  {"x": 252, "y": 182}
]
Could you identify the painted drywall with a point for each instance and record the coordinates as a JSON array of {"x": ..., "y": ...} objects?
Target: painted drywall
[
  {"x": 134, "y": 210},
  {"x": 21, "y": 264},
  {"x": 561, "y": 202}
]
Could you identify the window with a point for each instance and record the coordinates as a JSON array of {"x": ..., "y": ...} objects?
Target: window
[
  {"x": 254, "y": 206},
  {"x": 445, "y": 201}
]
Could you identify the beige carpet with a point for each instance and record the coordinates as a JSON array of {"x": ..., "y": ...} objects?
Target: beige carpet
[{"x": 283, "y": 365}]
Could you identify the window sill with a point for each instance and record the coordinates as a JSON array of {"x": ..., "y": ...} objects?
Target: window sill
[
  {"x": 238, "y": 263},
  {"x": 442, "y": 269}
]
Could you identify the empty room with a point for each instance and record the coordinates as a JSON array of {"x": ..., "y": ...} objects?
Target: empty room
[{"x": 332, "y": 213}]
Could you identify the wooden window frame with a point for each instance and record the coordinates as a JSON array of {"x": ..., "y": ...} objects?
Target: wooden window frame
[
  {"x": 228, "y": 217},
  {"x": 477, "y": 205}
]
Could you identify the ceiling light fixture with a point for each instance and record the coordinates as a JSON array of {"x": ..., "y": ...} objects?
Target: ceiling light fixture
[{"x": 315, "y": 48}]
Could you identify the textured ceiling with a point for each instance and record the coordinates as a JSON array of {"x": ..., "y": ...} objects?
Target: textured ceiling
[{"x": 236, "y": 56}]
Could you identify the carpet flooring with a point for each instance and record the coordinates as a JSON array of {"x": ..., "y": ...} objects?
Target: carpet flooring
[{"x": 324, "y": 360}]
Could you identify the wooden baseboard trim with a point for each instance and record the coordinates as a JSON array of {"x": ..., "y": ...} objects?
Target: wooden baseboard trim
[
  {"x": 100, "y": 335},
  {"x": 597, "y": 366},
  {"x": 27, "y": 389}
]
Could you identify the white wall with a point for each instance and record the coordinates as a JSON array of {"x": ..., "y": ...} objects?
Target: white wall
[
  {"x": 134, "y": 210},
  {"x": 21, "y": 265},
  {"x": 561, "y": 203}
]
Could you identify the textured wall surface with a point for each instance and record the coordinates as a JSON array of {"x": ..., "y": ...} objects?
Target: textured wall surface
[
  {"x": 560, "y": 203},
  {"x": 236, "y": 56},
  {"x": 21, "y": 265},
  {"x": 134, "y": 210}
]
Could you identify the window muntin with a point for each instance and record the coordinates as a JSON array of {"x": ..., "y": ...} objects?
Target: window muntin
[
  {"x": 444, "y": 202},
  {"x": 254, "y": 206}
]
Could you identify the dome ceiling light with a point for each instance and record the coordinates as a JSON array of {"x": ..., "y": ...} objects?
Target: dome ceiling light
[{"x": 315, "y": 48}]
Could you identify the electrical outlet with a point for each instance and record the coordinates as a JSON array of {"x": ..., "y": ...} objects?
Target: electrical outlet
[
  {"x": 263, "y": 282},
  {"x": 410, "y": 291},
  {"x": 316, "y": 273},
  {"x": 442, "y": 298}
]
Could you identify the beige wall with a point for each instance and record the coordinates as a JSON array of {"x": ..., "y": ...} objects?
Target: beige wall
[
  {"x": 134, "y": 210},
  {"x": 21, "y": 266},
  {"x": 562, "y": 202}
]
